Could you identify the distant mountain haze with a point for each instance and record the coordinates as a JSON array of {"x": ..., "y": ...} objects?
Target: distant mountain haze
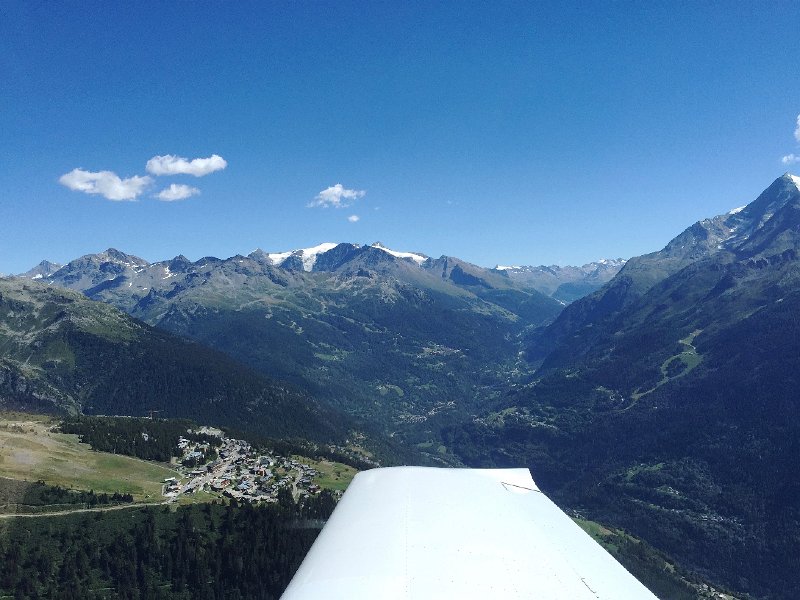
[{"x": 566, "y": 284}]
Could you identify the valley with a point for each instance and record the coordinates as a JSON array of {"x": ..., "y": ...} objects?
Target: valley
[
  {"x": 251, "y": 251},
  {"x": 386, "y": 337}
]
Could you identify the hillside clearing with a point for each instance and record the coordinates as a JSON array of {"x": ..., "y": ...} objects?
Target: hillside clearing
[{"x": 30, "y": 451}]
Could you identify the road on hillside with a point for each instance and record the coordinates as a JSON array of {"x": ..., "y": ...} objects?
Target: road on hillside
[{"x": 79, "y": 510}]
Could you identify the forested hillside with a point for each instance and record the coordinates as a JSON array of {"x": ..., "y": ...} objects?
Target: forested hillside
[
  {"x": 64, "y": 353},
  {"x": 207, "y": 551}
]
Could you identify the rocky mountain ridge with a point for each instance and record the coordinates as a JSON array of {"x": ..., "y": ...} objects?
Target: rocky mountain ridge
[
  {"x": 44, "y": 269},
  {"x": 764, "y": 230},
  {"x": 564, "y": 283}
]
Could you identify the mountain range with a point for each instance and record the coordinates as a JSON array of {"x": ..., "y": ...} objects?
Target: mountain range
[
  {"x": 564, "y": 283},
  {"x": 657, "y": 394},
  {"x": 384, "y": 335}
]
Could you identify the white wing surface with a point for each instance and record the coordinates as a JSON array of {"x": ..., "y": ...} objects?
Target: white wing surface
[{"x": 428, "y": 533}]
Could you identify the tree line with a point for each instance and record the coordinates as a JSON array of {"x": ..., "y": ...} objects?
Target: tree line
[
  {"x": 148, "y": 439},
  {"x": 206, "y": 552}
]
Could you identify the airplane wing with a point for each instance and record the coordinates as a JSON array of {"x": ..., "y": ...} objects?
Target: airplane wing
[{"x": 427, "y": 533}]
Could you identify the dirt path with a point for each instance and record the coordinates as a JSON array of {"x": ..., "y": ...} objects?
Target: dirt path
[{"x": 80, "y": 510}]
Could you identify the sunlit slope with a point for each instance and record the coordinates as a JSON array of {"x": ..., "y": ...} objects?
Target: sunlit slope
[{"x": 30, "y": 451}]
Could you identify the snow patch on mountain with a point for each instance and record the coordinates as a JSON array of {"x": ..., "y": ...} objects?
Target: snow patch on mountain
[
  {"x": 307, "y": 255},
  {"x": 417, "y": 258},
  {"x": 310, "y": 255},
  {"x": 277, "y": 258}
]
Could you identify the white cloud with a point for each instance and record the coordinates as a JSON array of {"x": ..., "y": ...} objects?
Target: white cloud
[
  {"x": 354, "y": 218},
  {"x": 337, "y": 196},
  {"x": 791, "y": 159},
  {"x": 177, "y": 192},
  {"x": 177, "y": 165},
  {"x": 106, "y": 183}
]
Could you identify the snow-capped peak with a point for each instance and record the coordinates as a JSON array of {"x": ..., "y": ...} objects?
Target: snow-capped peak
[
  {"x": 307, "y": 255},
  {"x": 41, "y": 271},
  {"x": 504, "y": 268},
  {"x": 737, "y": 210},
  {"x": 417, "y": 258},
  {"x": 795, "y": 180}
]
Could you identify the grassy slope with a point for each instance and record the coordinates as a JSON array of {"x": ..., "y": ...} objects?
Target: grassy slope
[
  {"x": 30, "y": 451},
  {"x": 332, "y": 475}
]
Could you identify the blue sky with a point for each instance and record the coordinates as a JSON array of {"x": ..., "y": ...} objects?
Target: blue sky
[{"x": 510, "y": 133}]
